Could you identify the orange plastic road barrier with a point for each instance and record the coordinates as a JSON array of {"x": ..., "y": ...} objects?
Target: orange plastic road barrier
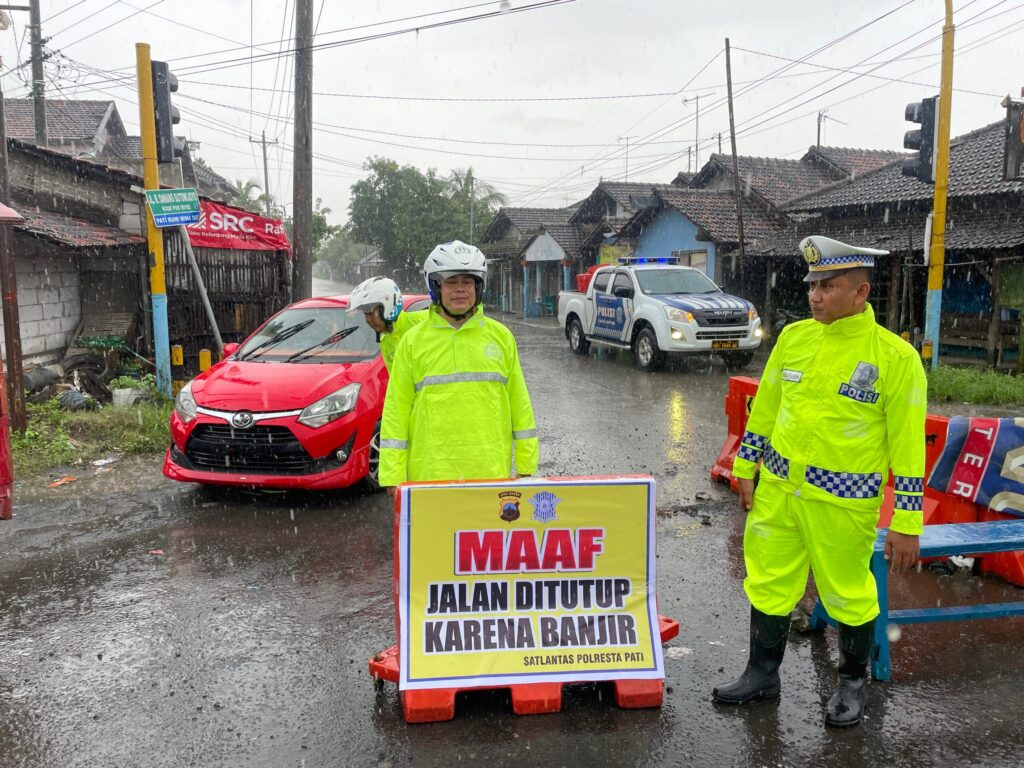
[
  {"x": 438, "y": 704},
  {"x": 939, "y": 507}
]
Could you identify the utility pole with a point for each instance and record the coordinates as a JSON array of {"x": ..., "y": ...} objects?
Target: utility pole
[
  {"x": 262, "y": 141},
  {"x": 472, "y": 184},
  {"x": 626, "y": 139},
  {"x": 937, "y": 257},
  {"x": 736, "y": 166},
  {"x": 9, "y": 289},
  {"x": 155, "y": 237},
  {"x": 38, "y": 78},
  {"x": 696, "y": 129},
  {"x": 302, "y": 179},
  {"x": 822, "y": 117}
]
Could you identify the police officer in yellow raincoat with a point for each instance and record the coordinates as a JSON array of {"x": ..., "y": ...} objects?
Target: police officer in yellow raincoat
[
  {"x": 842, "y": 402},
  {"x": 380, "y": 301},
  {"x": 457, "y": 401}
]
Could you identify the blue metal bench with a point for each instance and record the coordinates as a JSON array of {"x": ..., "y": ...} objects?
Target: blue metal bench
[{"x": 936, "y": 541}]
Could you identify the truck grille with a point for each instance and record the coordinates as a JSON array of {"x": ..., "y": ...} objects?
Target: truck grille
[
  {"x": 720, "y": 335},
  {"x": 270, "y": 450},
  {"x": 733, "y": 318}
]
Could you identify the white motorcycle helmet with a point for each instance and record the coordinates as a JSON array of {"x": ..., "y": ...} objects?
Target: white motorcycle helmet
[
  {"x": 455, "y": 258},
  {"x": 374, "y": 292}
]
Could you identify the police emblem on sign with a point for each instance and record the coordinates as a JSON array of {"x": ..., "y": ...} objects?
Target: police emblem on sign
[
  {"x": 544, "y": 504},
  {"x": 509, "y": 503}
]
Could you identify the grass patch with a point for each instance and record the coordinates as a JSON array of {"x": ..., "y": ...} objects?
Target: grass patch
[
  {"x": 974, "y": 385},
  {"x": 56, "y": 437}
]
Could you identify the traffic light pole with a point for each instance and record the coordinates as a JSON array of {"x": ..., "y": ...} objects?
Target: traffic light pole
[
  {"x": 151, "y": 179},
  {"x": 937, "y": 250}
]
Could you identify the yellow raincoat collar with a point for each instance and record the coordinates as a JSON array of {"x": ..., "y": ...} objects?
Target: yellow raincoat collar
[
  {"x": 437, "y": 320},
  {"x": 854, "y": 325}
]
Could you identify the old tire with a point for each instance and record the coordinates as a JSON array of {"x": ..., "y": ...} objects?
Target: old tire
[
  {"x": 645, "y": 350},
  {"x": 577, "y": 339},
  {"x": 737, "y": 360}
]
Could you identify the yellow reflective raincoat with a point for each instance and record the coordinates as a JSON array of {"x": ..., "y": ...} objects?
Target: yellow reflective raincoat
[
  {"x": 456, "y": 403},
  {"x": 838, "y": 407},
  {"x": 389, "y": 341}
]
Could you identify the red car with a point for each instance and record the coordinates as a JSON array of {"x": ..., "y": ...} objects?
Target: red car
[{"x": 296, "y": 405}]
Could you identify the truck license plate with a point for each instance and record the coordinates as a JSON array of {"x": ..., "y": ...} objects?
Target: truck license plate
[{"x": 730, "y": 344}]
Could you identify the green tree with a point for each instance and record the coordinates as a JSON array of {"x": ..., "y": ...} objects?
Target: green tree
[
  {"x": 322, "y": 229},
  {"x": 405, "y": 212},
  {"x": 339, "y": 258}
]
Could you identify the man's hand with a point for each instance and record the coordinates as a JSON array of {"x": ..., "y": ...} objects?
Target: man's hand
[
  {"x": 746, "y": 493},
  {"x": 901, "y": 550}
]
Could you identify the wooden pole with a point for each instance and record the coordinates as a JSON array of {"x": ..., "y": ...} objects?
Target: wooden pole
[
  {"x": 9, "y": 290},
  {"x": 302, "y": 185},
  {"x": 735, "y": 167},
  {"x": 992, "y": 346}
]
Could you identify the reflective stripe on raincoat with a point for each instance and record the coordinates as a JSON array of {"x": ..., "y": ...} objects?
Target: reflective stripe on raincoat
[{"x": 456, "y": 403}]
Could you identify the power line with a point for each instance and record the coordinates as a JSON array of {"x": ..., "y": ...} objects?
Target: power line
[
  {"x": 112, "y": 24},
  {"x": 69, "y": 8}
]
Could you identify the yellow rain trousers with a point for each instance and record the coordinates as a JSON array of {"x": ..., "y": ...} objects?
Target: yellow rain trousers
[
  {"x": 389, "y": 341},
  {"x": 839, "y": 407},
  {"x": 456, "y": 403}
]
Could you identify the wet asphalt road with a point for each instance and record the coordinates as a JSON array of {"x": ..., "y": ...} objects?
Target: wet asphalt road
[{"x": 246, "y": 641}]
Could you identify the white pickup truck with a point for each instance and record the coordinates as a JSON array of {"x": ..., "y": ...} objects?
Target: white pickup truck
[{"x": 656, "y": 307}]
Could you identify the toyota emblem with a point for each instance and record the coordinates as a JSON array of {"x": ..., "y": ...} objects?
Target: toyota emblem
[{"x": 242, "y": 419}]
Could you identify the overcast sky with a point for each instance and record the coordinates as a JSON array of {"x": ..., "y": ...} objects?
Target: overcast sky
[{"x": 535, "y": 65}]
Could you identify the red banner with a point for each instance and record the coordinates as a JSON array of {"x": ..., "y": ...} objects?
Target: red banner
[{"x": 221, "y": 226}]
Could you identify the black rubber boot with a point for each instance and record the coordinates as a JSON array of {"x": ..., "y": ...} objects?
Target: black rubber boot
[
  {"x": 760, "y": 680},
  {"x": 846, "y": 707}
]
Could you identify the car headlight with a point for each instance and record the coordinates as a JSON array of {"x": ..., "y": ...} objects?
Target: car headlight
[
  {"x": 752, "y": 314},
  {"x": 185, "y": 405},
  {"x": 679, "y": 315},
  {"x": 334, "y": 406}
]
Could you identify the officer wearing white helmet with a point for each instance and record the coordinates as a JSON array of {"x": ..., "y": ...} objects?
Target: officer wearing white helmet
[
  {"x": 457, "y": 404},
  {"x": 380, "y": 301},
  {"x": 841, "y": 405}
]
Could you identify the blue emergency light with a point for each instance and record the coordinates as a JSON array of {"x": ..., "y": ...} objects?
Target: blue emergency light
[{"x": 648, "y": 260}]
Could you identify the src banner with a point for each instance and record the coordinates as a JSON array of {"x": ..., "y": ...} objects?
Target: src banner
[
  {"x": 221, "y": 226},
  {"x": 528, "y": 581}
]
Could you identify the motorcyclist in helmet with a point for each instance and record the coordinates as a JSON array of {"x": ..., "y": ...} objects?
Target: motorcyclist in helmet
[{"x": 380, "y": 301}]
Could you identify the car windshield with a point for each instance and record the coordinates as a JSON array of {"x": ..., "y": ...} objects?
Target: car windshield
[
  {"x": 667, "y": 281},
  {"x": 311, "y": 335}
]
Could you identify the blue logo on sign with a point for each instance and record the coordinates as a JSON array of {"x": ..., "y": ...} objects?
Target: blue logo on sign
[{"x": 544, "y": 504}]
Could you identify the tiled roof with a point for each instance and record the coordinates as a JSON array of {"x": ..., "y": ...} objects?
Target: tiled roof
[
  {"x": 624, "y": 192},
  {"x": 854, "y": 162},
  {"x": 968, "y": 228},
  {"x": 125, "y": 147},
  {"x": 773, "y": 179},
  {"x": 975, "y": 168},
  {"x": 683, "y": 179},
  {"x": 528, "y": 219},
  {"x": 566, "y": 235},
  {"x": 71, "y": 232},
  {"x": 65, "y": 120},
  {"x": 509, "y": 246},
  {"x": 209, "y": 177},
  {"x": 714, "y": 213}
]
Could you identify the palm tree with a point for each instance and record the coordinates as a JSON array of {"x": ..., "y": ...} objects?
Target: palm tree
[
  {"x": 247, "y": 197},
  {"x": 462, "y": 183}
]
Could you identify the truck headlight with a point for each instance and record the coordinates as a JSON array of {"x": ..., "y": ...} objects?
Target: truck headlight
[
  {"x": 333, "y": 406},
  {"x": 752, "y": 314},
  {"x": 678, "y": 315},
  {"x": 185, "y": 405}
]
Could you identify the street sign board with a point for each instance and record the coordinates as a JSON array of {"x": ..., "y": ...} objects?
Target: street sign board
[{"x": 173, "y": 207}]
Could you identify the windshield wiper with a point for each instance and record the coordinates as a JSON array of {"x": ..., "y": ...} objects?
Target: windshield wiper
[
  {"x": 284, "y": 333},
  {"x": 334, "y": 338}
]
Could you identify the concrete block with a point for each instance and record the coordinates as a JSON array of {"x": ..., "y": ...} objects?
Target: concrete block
[
  {"x": 29, "y": 313},
  {"x": 55, "y": 341},
  {"x": 130, "y": 222},
  {"x": 27, "y": 297},
  {"x": 32, "y": 346},
  {"x": 28, "y": 280},
  {"x": 47, "y": 295}
]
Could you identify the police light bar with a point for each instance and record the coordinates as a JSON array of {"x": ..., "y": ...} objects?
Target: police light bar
[{"x": 648, "y": 260}]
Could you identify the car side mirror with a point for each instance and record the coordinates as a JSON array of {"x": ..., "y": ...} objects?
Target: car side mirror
[
  {"x": 623, "y": 292},
  {"x": 230, "y": 349}
]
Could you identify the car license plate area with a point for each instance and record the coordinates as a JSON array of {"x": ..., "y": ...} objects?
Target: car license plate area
[{"x": 725, "y": 344}]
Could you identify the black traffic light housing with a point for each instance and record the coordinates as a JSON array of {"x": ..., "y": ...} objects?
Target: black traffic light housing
[
  {"x": 165, "y": 113},
  {"x": 923, "y": 139}
]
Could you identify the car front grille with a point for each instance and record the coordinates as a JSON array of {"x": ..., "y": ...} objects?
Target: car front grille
[
  {"x": 733, "y": 318},
  {"x": 720, "y": 335},
  {"x": 270, "y": 450}
]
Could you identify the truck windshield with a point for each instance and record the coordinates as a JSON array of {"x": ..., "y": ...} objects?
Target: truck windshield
[
  {"x": 311, "y": 335},
  {"x": 667, "y": 281}
]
